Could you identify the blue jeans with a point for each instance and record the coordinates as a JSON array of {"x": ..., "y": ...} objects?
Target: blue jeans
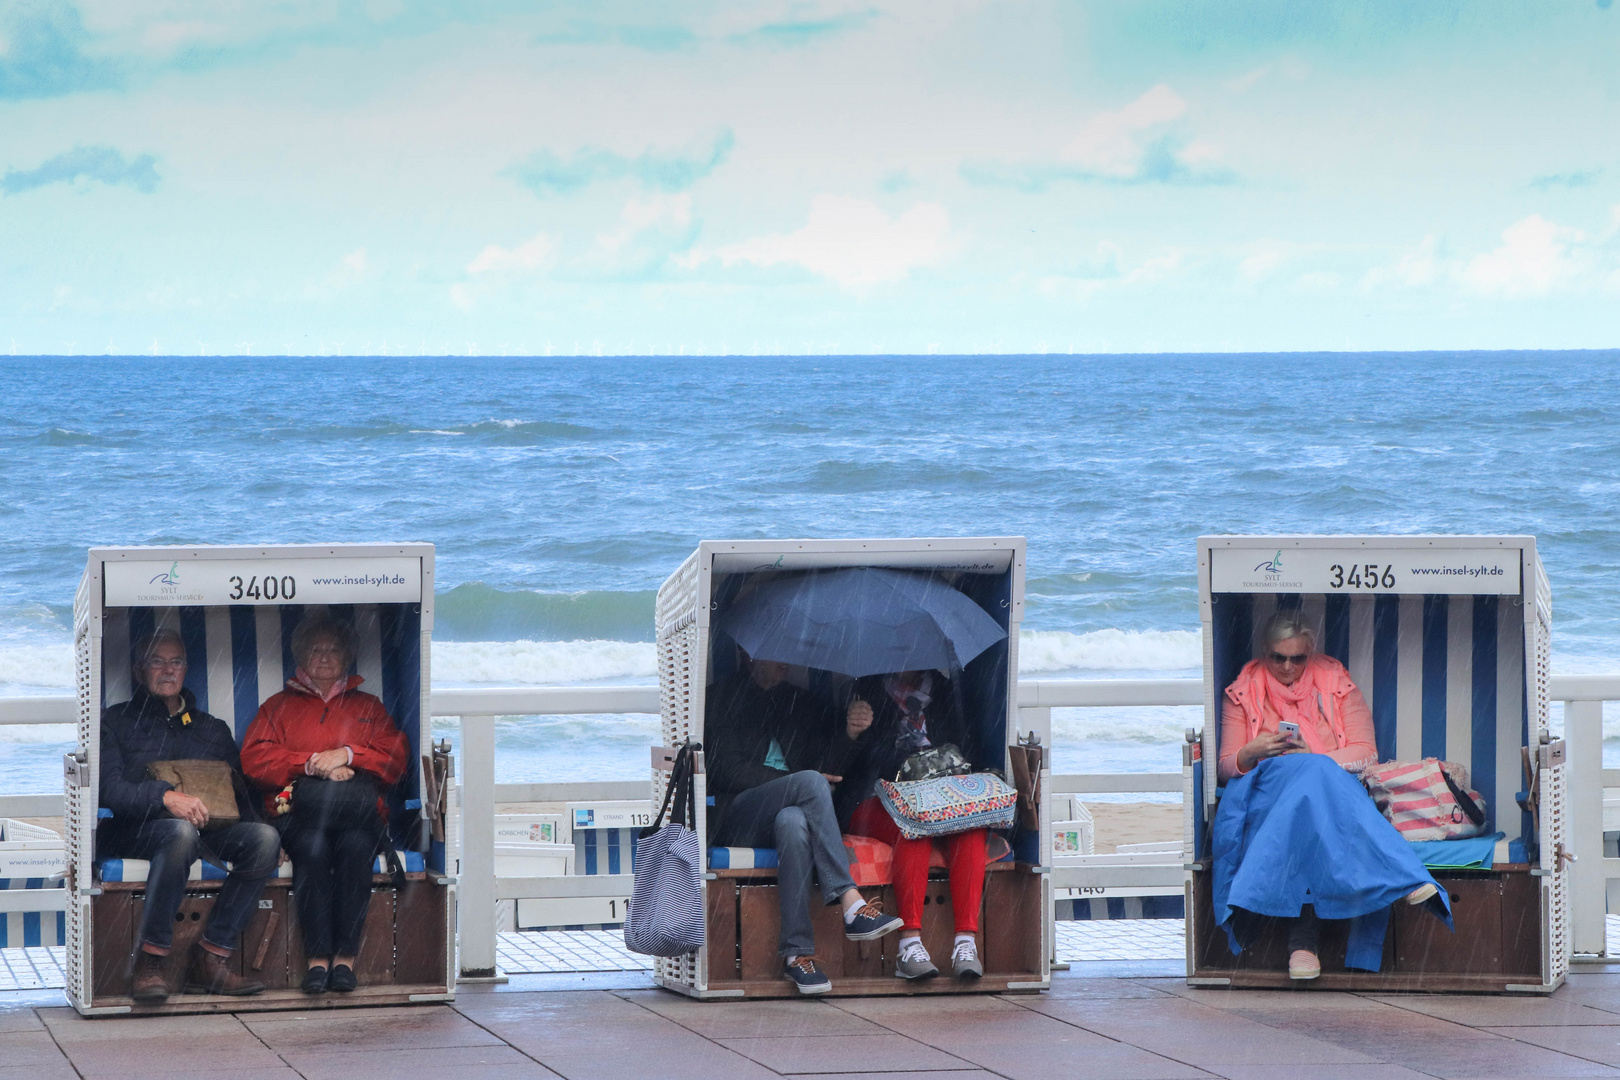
[
  {"x": 172, "y": 845},
  {"x": 793, "y": 814}
]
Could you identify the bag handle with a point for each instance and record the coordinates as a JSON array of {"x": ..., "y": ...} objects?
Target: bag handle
[
  {"x": 678, "y": 794},
  {"x": 1464, "y": 800}
]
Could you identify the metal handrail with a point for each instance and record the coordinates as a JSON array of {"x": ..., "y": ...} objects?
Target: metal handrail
[{"x": 1582, "y": 694}]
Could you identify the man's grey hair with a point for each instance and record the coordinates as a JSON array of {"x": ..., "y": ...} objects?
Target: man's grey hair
[
  {"x": 1288, "y": 624},
  {"x": 148, "y": 644},
  {"x": 322, "y": 627}
]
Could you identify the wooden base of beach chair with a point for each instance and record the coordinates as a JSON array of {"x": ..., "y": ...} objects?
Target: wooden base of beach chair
[
  {"x": 1496, "y": 947},
  {"x": 745, "y": 919},
  {"x": 401, "y": 958}
]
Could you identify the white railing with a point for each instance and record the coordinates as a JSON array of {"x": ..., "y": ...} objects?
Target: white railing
[{"x": 1582, "y": 697}]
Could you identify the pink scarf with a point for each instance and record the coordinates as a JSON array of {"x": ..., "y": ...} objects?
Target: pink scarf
[{"x": 1318, "y": 692}]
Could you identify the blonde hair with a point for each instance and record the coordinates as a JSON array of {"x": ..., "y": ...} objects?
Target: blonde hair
[{"x": 1288, "y": 624}]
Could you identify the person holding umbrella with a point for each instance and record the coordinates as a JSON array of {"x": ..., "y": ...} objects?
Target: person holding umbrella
[
  {"x": 767, "y": 746},
  {"x": 896, "y": 632},
  {"x": 896, "y": 716}
]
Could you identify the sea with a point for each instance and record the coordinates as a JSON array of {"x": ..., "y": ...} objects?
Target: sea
[{"x": 561, "y": 492}]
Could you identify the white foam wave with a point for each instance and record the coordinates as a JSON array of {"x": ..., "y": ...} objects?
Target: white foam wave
[
  {"x": 1044, "y": 651},
  {"x": 39, "y": 733},
  {"x": 1141, "y": 724},
  {"x": 47, "y": 667},
  {"x": 537, "y": 663}
]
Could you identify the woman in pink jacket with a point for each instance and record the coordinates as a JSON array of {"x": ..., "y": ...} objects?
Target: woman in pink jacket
[{"x": 1292, "y": 683}]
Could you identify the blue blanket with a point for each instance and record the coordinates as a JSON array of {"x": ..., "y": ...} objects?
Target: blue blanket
[{"x": 1299, "y": 830}]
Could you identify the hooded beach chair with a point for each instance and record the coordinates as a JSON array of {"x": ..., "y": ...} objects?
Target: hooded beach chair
[
  {"x": 740, "y": 958},
  {"x": 232, "y": 610},
  {"x": 1447, "y": 637}
]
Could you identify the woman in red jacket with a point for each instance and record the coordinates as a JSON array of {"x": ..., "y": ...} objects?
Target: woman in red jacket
[{"x": 318, "y": 733}]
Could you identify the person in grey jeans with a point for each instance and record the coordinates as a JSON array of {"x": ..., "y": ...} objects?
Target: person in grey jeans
[{"x": 772, "y": 752}]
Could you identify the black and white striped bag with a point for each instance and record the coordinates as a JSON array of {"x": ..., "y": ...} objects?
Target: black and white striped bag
[{"x": 666, "y": 903}]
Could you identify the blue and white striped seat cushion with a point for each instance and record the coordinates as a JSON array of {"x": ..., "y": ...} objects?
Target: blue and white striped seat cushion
[
  {"x": 742, "y": 858},
  {"x": 136, "y": 869}
]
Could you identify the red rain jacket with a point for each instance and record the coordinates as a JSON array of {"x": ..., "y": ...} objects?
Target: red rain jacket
[{"x": 292, "y": 725}]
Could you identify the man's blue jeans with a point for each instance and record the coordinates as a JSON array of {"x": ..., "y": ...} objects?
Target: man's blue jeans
[
  {"x": 172, "y": 845},
  {"x": 793, "y": 814}
]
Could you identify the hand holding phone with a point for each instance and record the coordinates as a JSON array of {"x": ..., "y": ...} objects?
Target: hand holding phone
[{"x": 1291, "y": 730}]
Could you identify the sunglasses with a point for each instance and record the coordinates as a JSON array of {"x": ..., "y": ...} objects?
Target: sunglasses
[{"x": 1285, "y": 658}]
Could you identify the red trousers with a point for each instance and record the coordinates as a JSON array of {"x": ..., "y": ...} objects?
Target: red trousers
[{"x": 964, "y": 855}]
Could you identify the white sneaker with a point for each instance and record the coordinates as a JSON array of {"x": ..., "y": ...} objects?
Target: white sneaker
[
  {"x": 965, "y": 960},
  {"x": 914, "y": 962}
]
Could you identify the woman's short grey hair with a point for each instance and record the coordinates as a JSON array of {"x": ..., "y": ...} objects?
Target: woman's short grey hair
[
  {"x": 1288, "y": 624},
  {"x": 321, "y": 628},
  {"x": 148, "y": 644}
]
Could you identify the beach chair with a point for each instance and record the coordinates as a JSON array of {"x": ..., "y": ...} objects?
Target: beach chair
[
  {"x": 740, "y": 957},
  {"x": 1447, "y": 638},
  {"x": 235, "y": 608}
]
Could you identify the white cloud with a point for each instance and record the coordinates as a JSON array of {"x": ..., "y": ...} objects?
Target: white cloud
[
  {"x": 1415, "y": 269},
  {"x": 1111, "y": 143},
  {"x": 1267, "y": 256},
  {"x": 355, "y": 261},
  {"x": 530, "y": 255},
  {"x": 1536, "y": 257},
  {"x": 659, "y": 213},
  {"x": 853, "y": 242}
]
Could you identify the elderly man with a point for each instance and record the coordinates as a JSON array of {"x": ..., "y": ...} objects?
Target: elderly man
[
  {"x": 773, "y": 753},
  {"x": 153, "y": 821}
]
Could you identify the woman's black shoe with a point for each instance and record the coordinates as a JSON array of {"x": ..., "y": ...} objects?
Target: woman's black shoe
[
  {"x": 315, "y": 981},
  {"x": 342, "y": 980}
]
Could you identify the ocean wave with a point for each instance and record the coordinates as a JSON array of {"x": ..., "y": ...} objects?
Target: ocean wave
[
  {"x": 542, "y": 663},
  {"x": 47, "y": 667},
  {"x": 1047, "y": 651},
  {"x": 1139, "y": 725},
  {"x": 65, "y": 734}
]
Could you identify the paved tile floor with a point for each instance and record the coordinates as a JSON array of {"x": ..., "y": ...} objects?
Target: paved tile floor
[
  {"x": 1145, "y": 1024},
  {"x": 552, "y": 952}
]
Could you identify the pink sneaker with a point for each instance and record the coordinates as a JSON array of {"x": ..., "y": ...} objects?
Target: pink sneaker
[{"x": 1303, "y": 964}]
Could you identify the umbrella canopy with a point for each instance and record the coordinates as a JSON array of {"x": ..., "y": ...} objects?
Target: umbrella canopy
[{"x": 861, "y": 621}]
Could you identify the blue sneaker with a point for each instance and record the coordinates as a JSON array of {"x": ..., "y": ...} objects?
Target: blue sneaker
[
  {"x": 870, "y": 923},
  {"x": 807, "y": 975}
]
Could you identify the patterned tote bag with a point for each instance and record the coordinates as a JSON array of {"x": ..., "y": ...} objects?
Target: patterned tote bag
[{"x": 665, "y": 917}]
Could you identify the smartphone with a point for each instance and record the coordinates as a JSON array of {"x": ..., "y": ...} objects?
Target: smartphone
[{"x": 1290, "y": 729}]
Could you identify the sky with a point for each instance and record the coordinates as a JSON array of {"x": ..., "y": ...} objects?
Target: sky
[{"x": 379, "y": 177}]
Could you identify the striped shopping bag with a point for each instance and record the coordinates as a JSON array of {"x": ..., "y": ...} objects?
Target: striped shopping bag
[
  {"x": 1428, "y": 799},
  {"x": 665, "y": 917}
]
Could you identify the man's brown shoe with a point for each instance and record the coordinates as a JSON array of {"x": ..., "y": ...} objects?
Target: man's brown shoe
[
  {"x": 148, "y": 986},
  {"x": 210, "y": 973}
]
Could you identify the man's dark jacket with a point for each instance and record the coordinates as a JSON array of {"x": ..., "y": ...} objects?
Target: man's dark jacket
[
  {"x": 739, "y": 723},
  {"x": 136, "y": 733}
]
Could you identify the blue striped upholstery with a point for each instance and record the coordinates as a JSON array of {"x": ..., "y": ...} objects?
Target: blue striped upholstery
[
  {"x": 1443, "y": 675},
  {"x": 136, "y": 869},
  {"x": 605, "y": 851},
  {"x": 742, "y": 858},
  {"x": 240, "y": 655},
  {"x": 32, "y": 929}
]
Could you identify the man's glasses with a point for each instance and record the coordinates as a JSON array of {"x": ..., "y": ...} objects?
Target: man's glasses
[
  {"x": 157, "y": 664},
  {"x": 1285, "y": 658}
]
